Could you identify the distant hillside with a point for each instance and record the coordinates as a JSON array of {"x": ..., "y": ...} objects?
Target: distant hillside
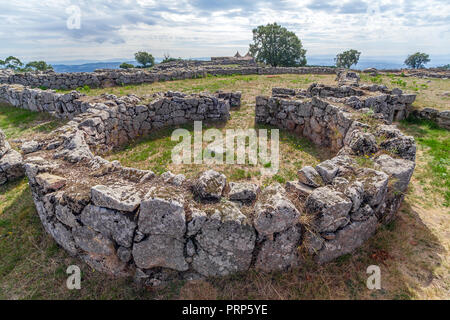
[{"x": 88, "y": 67}]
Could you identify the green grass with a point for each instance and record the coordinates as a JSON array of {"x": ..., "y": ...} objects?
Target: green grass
[
  {"x": 436, "y": 142},
  {"x": 17, "y": 122}
]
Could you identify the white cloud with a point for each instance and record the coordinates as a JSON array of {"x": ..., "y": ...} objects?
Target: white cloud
[{"x": 198, "y": 28}]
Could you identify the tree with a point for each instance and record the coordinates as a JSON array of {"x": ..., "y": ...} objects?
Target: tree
[
  {"x": 417, "y": 60},
  {"x": 144, "y": 58},
  {"x": 13, "y": 63},
  {"x": 347, "y": 58},
  {"x": 39, "y": 65},
  {"x": 2, "y": 63},
  {"x": 125, "y": 65},
  {"x": 276, "y": 46}
]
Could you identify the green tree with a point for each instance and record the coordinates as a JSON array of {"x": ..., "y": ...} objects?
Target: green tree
[
  {"x": 2, "y": 63},
  {"x": 276, "y": 46},
  {"x": 347, "y": 58},
  {"x": 144, "y": 58},
  {"x": 125, "y": 65},
  {"x": 38, "y": 65},
  {"x": 417, "y": 60},
  {"x": 13, "y": 63}
]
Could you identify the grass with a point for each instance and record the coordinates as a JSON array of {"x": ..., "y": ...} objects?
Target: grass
[
  {"x": 412, "y": 252},
  {"x": 17, "y": 123},
  {"x": 430, "y": 93}
]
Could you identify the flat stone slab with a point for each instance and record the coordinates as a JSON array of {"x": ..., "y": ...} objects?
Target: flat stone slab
[
  {"x": 50, "y": 182},
  {"x": 122, "y": 198}
]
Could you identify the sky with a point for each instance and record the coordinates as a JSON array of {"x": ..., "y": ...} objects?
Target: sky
[{"x": 68, "y": 30}]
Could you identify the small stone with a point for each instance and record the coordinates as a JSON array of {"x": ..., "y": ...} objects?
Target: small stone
[
  {"x": 30, "y": 146},
  {"x": 309, "y": 176},
  {"x": 243, "y": 191},
  {"x": 210, "y": 185}
]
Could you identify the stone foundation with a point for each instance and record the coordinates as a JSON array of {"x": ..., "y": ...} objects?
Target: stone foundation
[{"x": 126, "y": 221}]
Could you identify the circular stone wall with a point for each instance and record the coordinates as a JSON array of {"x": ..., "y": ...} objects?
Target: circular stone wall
[{"x": 126, "y": 221}]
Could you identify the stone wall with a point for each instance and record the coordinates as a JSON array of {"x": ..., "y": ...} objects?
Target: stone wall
[
  {"x": 104, "y": 78},
  {"x": 159, "y": 227},
  {"x": 364, "y": 184},
  {"x": 441, "y": 118},
  {"x": 127, "y": 221},
  {"x": 10, "y": 162},
  {"x": 109, "y": 121}
]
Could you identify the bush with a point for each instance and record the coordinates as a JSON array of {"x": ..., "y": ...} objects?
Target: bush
[{"x": 125, "y": 65}]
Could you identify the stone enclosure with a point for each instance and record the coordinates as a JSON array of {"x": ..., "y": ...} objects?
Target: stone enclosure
[{"x": 131, "y": 222}]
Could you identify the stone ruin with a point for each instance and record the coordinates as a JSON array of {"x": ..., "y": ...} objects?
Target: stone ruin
[
  {"x": 11, "y": 166},
  {"x": 130, "y": 222}
]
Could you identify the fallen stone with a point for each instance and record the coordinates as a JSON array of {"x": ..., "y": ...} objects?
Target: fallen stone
[{"x": 30, "y": 146}]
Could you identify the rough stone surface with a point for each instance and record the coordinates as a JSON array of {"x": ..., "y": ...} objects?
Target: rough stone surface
[
  {"x": 225, "y": 242},
  {"x": 309, "y": 176},
  {"x": 347, "y": 239},
  {"x": 281, "y": 252},
  {"x": 122, "y": 198},
  {"x": 243, "y": 191},
  {"x": 330, "y": 209},
  {"x": 110, "y": 223},
  {"x": 274, "y": 212},
  {"x": 210, "y": 185}
]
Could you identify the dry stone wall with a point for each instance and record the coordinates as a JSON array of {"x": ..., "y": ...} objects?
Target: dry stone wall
[
  {"x": 127, "y": 221},
  {"x": 10, "y": 161},
  {"x": 104, "y": 78}
]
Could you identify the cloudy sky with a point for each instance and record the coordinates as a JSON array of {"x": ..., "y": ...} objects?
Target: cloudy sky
[{"x": 48, "y": 29}]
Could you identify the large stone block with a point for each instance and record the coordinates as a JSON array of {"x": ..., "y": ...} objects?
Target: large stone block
[{"x": 274, "y": 212}]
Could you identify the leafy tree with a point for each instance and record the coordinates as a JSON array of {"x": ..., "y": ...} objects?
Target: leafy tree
[
  {"x": 417, "y": 60},
  {"x": 2, "y": 63},
  {"x": 144, "y": 58},
  {"x": 125, "y": 65},
  {"x": 276, "y": 46},
  {"x": 13, "y": 63},
  {"x": 347, "y": 58},
  {"x": 38, "y": 65}
]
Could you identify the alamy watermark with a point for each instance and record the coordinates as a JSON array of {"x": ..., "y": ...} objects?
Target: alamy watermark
[
  {"x": 74, "y": 279},
  {"x": 238, "y": 146},
  {"x": 374, "y": 280},
  {"x": 74, "y": 19}
]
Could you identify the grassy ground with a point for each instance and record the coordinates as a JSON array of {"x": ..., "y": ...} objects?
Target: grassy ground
[{"x": 412, "y": 252}]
